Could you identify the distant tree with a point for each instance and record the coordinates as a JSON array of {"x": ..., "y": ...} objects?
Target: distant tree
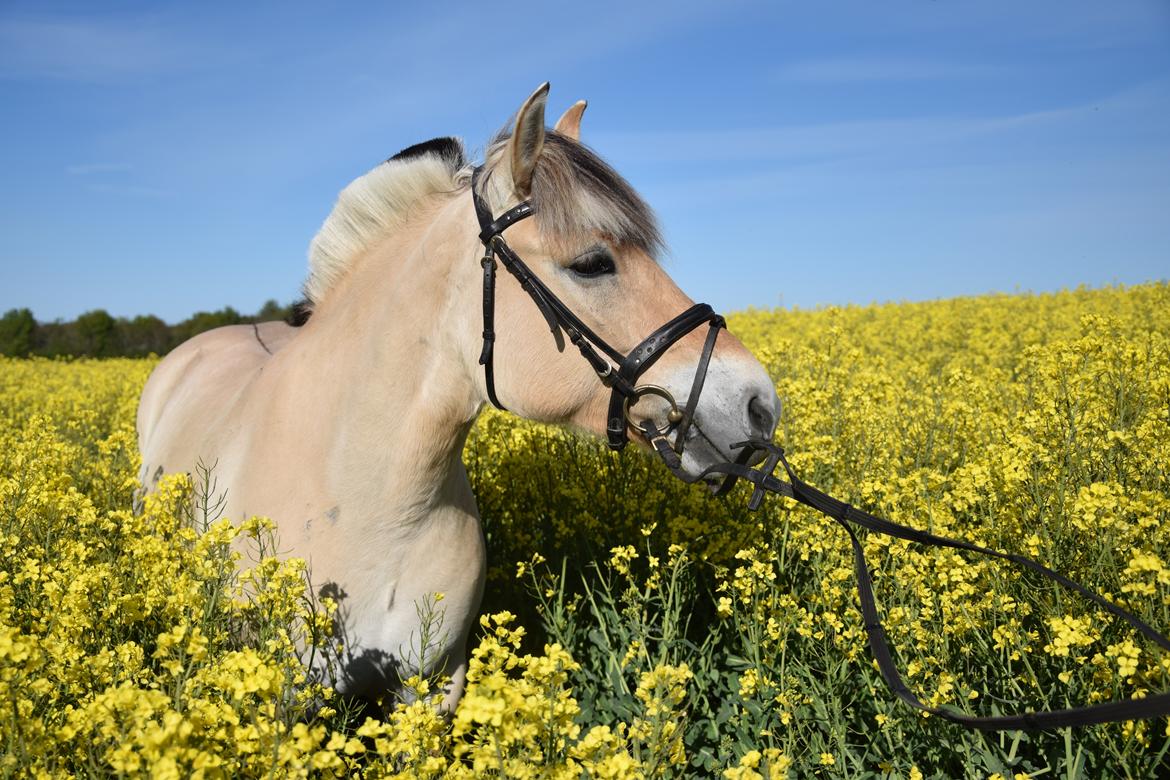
[
  {"x": 54, "y": 339},
  {"x": 143, "y": 335},
  {"x": 204, "y": 321},
  {"x": 97, "y": 334},
  {"x": 271, "y": 310},
  {"x": 17, "y": 332}
]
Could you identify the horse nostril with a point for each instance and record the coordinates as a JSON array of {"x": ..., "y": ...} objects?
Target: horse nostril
[{"x": 760, "y": 417}]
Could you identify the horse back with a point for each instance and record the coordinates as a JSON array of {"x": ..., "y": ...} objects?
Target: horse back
[{"x": 188, "y": 400}]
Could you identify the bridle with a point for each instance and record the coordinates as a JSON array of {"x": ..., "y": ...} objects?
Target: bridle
[
  {"x": 622, "y": 374},
  {"x": 625, "y": 392}
]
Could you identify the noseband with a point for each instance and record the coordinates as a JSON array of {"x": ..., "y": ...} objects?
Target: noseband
[{"x": 616, "y": 371}]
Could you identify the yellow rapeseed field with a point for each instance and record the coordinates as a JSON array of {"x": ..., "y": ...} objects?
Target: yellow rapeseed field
[{"x": 635, "y": 627}]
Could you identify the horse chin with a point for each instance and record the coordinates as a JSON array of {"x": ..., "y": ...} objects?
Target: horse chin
[
  {"x": 699, "y": 455},
  {"x": 701, "y": 452}
]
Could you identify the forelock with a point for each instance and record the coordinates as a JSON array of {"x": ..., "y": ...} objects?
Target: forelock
[{"x": 577, "y": 195}]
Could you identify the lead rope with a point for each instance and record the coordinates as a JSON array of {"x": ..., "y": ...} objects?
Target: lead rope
[{"x": 847, "y": 516}]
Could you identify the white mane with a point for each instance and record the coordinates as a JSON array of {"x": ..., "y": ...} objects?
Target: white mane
[
  {"x": 369, "y": 208},
  {"x": 575, "y": 195}
]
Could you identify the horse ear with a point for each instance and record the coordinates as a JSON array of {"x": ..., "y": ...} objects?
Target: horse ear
[
  {"x": 528, "y": 140},
  {"x": 569, "y": 125}
]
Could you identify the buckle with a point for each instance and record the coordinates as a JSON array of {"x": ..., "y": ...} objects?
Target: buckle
[{"x": 606, "y": 375}]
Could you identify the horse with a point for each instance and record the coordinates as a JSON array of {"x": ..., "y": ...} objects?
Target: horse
[{"x": 348, "y": 430}]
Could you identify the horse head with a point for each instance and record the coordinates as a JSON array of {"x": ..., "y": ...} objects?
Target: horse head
[{"x": 592, "y": 245}]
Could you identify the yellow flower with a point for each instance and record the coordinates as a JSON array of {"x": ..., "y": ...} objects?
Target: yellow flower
[{"x": 131, "y": 642}]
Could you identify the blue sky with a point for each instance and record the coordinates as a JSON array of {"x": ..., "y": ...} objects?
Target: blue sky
[{"x": 171, "y": 157}]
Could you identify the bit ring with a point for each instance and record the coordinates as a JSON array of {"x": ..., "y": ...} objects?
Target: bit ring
[{"x": 674, "y": 416}]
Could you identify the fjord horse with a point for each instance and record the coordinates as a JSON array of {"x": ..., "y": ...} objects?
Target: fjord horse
[{"x": 348, "y": 431}]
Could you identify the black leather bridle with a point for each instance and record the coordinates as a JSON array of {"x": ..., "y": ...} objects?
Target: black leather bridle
[
  {"x": 621, "y": 375},
  {"x": 625, "y": 392}
]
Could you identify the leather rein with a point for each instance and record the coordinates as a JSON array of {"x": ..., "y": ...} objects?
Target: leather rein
[{"x": 621, "y": 372}]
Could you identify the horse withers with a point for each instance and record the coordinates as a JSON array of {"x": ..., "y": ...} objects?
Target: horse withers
[{"x": 348, "y": 431}]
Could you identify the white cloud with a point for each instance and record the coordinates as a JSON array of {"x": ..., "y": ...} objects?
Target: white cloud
[
  {"x": 829, "y": 141},
  {"x": 881, "y": 69},
  {"x": 93, "y": 169},
  {"x": 129, "y": 190},
  {"x": 85, "y": 50}
]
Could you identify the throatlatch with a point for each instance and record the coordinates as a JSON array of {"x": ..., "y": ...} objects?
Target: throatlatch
[{"x": 623, "y": 379}]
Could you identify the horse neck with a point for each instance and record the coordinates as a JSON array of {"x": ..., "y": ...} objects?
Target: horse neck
[{"x": 397, "y": 397}]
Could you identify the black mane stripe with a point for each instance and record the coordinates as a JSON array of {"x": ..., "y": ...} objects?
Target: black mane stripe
[
  {"x": 446, "y": 147},
  {"x": 300, "y": 313}
]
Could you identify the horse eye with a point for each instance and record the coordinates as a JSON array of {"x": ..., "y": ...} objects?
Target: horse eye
[{"x": 597, "y": 263}]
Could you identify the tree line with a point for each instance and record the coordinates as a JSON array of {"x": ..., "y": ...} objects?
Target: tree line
[{"x": 99, "y": 334}]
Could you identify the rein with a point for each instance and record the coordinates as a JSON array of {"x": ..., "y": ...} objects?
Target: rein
[
  {"x": 849, "y": 517},
  {"x": 625, "y": 392}
]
